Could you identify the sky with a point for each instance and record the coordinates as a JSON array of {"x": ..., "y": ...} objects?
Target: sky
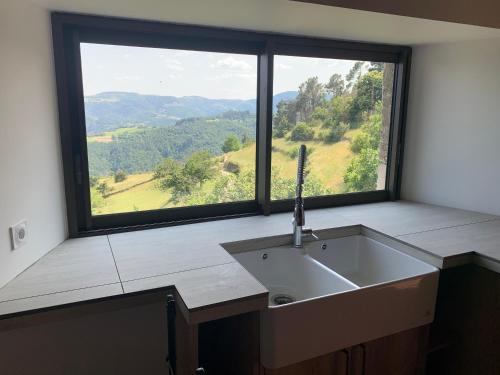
[{"x": 155, "y": 71}]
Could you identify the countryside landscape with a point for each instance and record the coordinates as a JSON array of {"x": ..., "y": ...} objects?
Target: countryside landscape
[{"x": 149, "y": 152}]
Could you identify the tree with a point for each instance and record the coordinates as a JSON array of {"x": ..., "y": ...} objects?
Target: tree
[
  {"x": 167, "y": 168},
  {"x": 231, "y": 143},
  {"x": 284, "y": 188},
  {"x": 361, "y": 174},
  {"x": 246, "y": 140},
  {"x": 185, "y": 180},
  {"x": 368, "y": 93},
  {"x": 376, "y": 66},
  {"x": 103, "y": 188},
  {"x": 182, "y": 185},
  {"x": 340, "y": 108},
  {"x": 361, "y": 142},
  {"x": 120, "y": 176},
  {"x": 336, "y": 85},
  {"x": 354, "y": 74},
  {"x": 281, "y": 120},
  {"x": 311, "y": 95},
  {"x": 200, "y": 167},
  {"x": 302, "y": 132}
]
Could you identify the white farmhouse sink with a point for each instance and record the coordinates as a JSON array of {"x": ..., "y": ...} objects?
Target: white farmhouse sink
[
  {"x": 289, "y": 274},
  {"x": 351, "y": 286},
  {"x": 365, "y": 261}
]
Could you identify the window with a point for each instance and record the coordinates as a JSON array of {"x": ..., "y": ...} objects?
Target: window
[
  {"x": 162, "y": 123},
  {"x": 341, "y": 110},
  {"x": 168, "y": 128}
]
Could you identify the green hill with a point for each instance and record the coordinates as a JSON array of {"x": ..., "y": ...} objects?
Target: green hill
[
  {"x": 140, "y": 192},
  {"x": 112, "y": 110},
  {"x": 136, "y": 150}
]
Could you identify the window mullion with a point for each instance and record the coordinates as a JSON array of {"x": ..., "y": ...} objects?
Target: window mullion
[{"x": 265, "y": 116}]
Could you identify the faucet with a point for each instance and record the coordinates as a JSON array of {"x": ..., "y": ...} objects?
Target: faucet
[{"x": 299, "y": 232}]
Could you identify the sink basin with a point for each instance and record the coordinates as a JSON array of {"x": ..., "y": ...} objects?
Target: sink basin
[
  {"x": 351, "y": 286},
  {"x": 365, "y": 261},
  {"x": 291, "y": 275}
]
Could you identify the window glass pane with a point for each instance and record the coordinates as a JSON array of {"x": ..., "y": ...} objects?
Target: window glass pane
[
  {"x": 168, "y": 128},
  {"x": 340, "y": 109}
]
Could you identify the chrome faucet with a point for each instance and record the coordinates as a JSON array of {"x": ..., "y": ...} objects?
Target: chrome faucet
[{"x": 299, "y": 232}]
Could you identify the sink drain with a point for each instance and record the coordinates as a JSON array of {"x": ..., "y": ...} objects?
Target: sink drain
[{"x": 282, "y": 299}]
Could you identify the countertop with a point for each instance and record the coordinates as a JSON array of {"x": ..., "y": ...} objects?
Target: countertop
[{"x": 209, "y": 281}]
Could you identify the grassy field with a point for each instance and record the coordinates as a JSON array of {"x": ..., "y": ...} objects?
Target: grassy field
[
  {"x": 139, "y": 192},
  {"x": 107, "y": 137},
  {"x": 327, "y": 162}
]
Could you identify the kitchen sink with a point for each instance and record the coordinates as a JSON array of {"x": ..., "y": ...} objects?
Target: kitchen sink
[
  {"x": 351, "y": 286},
  {"x": 290, "y": 275},
  {"x": 365, "y": 261}
]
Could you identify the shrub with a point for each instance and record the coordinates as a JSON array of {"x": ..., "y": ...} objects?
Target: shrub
[
  {"x": 336, "y": 132},
  {"x": 302, "y": 132},
  {"x": 167, "y": 168},
  {"x": 103, "y": 188},
  {"x": 231, "y": 143},
  {"x": 361, "y": 174},
  {"x": 293, "y": 153},
  {"x": 360, "y": 142},
  {"x": 120, "y": 176}
]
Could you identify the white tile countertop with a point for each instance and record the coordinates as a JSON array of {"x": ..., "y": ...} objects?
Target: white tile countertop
[{"x": 209, "y": 281}]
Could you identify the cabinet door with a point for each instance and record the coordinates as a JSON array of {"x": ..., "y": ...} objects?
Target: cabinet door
[
  {"x": 336, "y": 363},
  {"x": 399, "y": 354}
]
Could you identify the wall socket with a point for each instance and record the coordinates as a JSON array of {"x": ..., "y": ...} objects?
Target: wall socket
[{"x": 19, "y": 234}]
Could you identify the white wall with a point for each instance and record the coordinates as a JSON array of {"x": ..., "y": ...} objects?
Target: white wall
[
  {"x": 31, "y": 185},
  {"x": 452, "y": 154}
]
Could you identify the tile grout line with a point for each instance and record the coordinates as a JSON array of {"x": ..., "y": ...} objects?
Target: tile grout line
[
  {"x": 59, "y": 292},
  {"x": 116, "y": 266},
  {"x": 182, "y": 271},
  {"x": 448, "y": 227}
]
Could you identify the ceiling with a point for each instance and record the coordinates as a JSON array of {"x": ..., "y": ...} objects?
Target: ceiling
[
  {"x": 480, "y": 12},
  {"x": 282, "y": 16}
]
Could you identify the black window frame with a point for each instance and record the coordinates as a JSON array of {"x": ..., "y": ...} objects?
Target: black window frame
[{"x": 69, "y": 30}]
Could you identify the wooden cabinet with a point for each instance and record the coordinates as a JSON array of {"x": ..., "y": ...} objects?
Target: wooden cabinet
[
  {"x": 231, "y": 346},
  {"x": 330, "y": 364},
  {"x": 399, "y": 354}
]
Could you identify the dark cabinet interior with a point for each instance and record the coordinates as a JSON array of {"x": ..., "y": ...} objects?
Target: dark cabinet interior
[{"x": 465, "y": 335}]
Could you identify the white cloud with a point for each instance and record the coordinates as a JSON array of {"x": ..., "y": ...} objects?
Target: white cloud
[
  {"x": 283, "y": 66},
  {"x": 181, "y": 53},
  {"x": 232, "y": 63},
  {"x": 128, "y": 78},
  {"x": 231, "y": 75},
  {"x": 172, "y": 64}
]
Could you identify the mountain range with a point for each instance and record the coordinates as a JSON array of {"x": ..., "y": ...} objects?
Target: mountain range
[{"x": 111, "y": 110}]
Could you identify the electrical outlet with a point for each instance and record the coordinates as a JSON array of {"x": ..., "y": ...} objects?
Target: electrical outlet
[{"x": 19, "y": 234}]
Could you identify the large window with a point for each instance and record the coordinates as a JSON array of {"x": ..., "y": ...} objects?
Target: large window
[
  {"x": 341, "y": 110},
  {"x": 168, "y": 128},
  {"x": 165, "y": 123}
]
